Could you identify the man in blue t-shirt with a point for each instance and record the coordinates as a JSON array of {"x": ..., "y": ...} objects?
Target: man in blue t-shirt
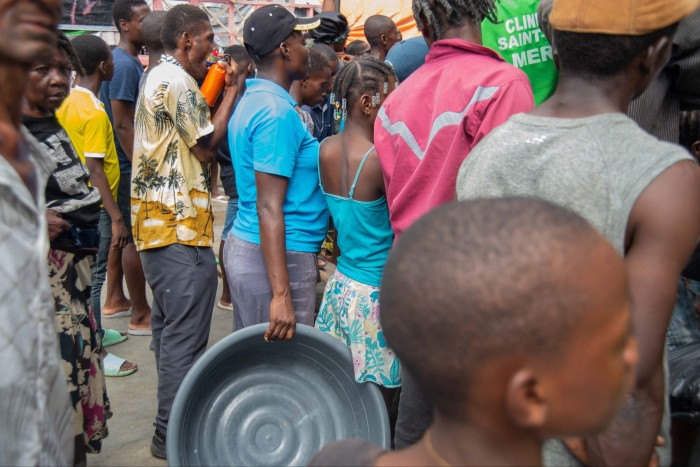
[
  {"x": 282, "y": 217},
  {"x": 119, "y": 98}
]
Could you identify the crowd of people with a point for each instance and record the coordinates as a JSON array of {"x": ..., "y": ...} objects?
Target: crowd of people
[{"x": 511, "y": 195}]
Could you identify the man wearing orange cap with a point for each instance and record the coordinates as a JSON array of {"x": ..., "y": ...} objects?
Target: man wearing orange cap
[{"x": 580, "y": 150}]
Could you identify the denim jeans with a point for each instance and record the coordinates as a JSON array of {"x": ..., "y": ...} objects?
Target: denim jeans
[{"x": 99, "y": 269}]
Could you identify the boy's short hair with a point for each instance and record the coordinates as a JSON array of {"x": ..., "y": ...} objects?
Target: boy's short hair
[
  {"x": 91, "y": 51},
  {"x": 151, "y": 30},
  {"x": 594, "y": 56},
  {"x": 327, "y": 51},
  {"x": 513, "y": 290},
  {"x": 179, "y": 20},
  {"x": 317, "y": 62},
  {"x": 356, "y": 47},
  {"x": 238, "y": 54},
  {"x": 123, "y": 9}
]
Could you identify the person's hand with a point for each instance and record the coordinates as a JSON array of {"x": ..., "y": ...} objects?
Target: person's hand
[
  {"x": 283, "y": 320},
  {"x": 120, "y": 236},
  {"x": 56, "y": 224},
  {"x": 231, "y": 79}
]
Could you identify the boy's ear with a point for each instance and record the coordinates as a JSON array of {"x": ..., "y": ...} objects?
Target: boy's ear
[
  {"x": 655, "y": 56},
  {"x": 526, "y": 403},
  {"x": 284, "y": 48},
  {"x": 305, "y": 81},
  {"x": 102, "y": 67}
]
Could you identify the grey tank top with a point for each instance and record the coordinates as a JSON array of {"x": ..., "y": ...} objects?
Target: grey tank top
[{"x": 595, "y": 166}]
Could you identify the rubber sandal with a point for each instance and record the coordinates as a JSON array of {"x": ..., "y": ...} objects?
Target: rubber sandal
[
  {"x": 223, "y": 306},
  {"x": 118, "y": 314},
  {"x": 113, "y": 364},
  {"x": 113, "y": 337},
  {"x": 140, "y": 332}
]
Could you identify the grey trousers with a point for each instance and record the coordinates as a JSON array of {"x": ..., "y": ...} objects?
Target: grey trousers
[
  {"x": 250, "y": 288},
  {"x": 184, "y": 280},
  {"x": 415, "y": 413}
]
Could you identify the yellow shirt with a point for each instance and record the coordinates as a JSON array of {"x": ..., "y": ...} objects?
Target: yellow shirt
[
  {"x": 83, "y": 117},
  {"x": 170, "y": 200},
  {"x": 357, "y": 12}
]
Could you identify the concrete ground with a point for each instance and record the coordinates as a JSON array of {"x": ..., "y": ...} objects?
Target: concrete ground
[{"x": 133, "y": 397}]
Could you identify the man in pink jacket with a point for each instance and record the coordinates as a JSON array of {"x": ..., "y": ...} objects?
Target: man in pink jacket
[{"x": 428, "y": 126}]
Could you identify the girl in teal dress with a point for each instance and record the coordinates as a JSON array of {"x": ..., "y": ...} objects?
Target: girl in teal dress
[{"x": 351, "y": 180}]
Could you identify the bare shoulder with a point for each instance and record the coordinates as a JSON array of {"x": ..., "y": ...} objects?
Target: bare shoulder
[
  {"x": 330, "y": 147},
  {"x": 669, "y": 207}
]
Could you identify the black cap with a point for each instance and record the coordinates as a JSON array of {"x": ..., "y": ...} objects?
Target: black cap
[
  {"x": 334, "y": 28},
  {"x": 268, "y": 26}
]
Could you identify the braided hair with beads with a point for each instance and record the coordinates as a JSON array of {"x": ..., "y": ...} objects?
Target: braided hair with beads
[
  {"x": 361, "y": 76},
  {"x": 444, "y": 14}
]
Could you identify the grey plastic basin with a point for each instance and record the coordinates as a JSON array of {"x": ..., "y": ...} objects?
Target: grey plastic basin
[{"x": 249, "y": 402}]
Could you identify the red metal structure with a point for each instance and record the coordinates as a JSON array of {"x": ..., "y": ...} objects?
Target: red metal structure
[{"x": 228, "y": 26}]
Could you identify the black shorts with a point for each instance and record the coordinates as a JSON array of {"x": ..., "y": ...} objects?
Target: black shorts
[{"x": 124, "y": 201}]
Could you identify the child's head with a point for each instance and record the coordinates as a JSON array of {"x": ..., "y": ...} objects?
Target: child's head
[
  {"x": 514, "y": 311},
  {"x": 239, "y": 55},
  {"x": 330, "y": 55},
  {"x": 361, "y": 87},
  {"x": 150, "y": 29},
  {"x": 95, "y": 56},
  {"x": 690, "y": 131},
  {"x": 314, "y": 87}
]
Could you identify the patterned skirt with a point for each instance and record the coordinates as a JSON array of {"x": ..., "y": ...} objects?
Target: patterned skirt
[
  {"x": 70, "y": 276},
  {"x": 350, "y": 312}
]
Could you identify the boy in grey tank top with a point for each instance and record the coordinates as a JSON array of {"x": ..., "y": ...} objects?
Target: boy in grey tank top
[{"x": 579, "y": 150}]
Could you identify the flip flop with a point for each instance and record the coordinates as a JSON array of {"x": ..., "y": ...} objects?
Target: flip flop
[
  {"x": 118, "y": 314},
  {"x": 113, "y": 366},
  {"x": 139, "y": 332},
  {"x": 113, "y": 337},
  {"x": 223, "y": 306}
]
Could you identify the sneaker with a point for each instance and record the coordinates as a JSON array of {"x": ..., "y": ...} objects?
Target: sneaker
[{"x": 158, "y": 445}]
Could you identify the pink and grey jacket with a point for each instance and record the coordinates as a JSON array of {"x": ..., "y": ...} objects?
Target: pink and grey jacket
[{"x": 428, "y": 126}]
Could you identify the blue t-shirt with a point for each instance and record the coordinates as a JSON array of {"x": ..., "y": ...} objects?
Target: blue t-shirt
[
  {"x": 266, "y": 135},
  {"x": 123, "y": 87}
]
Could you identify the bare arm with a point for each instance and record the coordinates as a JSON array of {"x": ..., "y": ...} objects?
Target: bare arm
[
  {"x": 98, "y": 179},
  {"x": 329, "y": 5},
  {"x": 206, "y": 146},
  {"x": 662, "y": 231},
  {"x": 271, "y": 192},
  {"x": 123, "y": 114}
]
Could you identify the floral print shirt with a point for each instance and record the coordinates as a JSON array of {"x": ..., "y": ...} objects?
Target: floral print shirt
[{"x": 170, "y": 188}]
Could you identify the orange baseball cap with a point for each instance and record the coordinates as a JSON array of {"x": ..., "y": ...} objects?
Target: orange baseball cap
[{"x": 619, "y": 17}]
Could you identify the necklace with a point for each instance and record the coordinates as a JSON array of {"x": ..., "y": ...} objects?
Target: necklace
[{"x": 439, "y": 460}]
